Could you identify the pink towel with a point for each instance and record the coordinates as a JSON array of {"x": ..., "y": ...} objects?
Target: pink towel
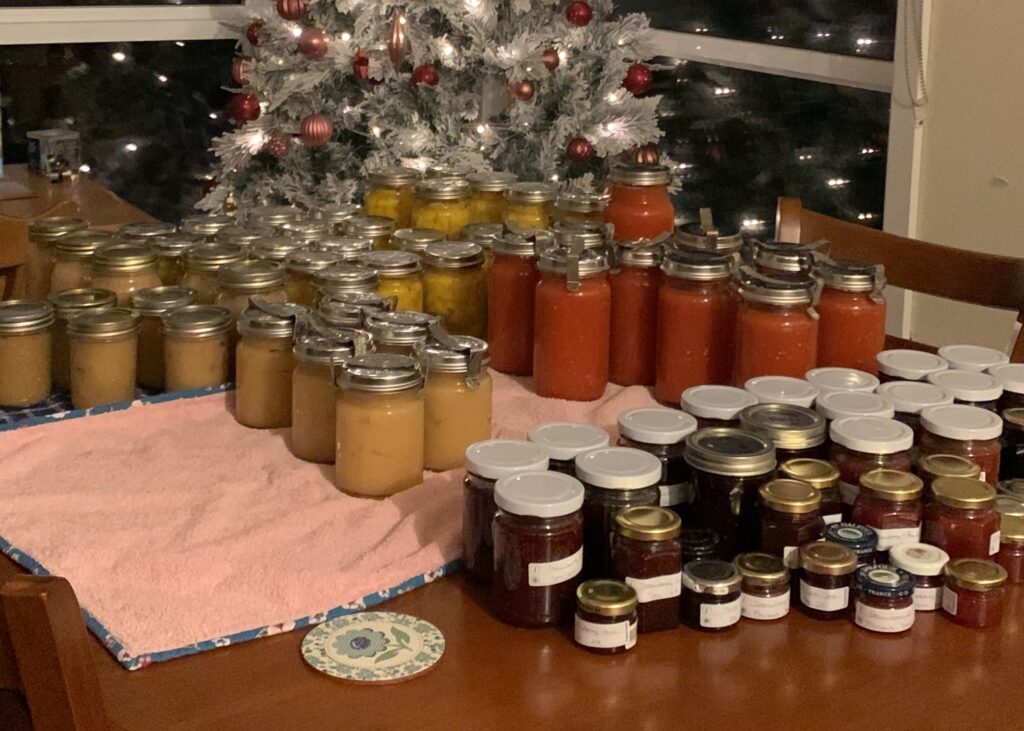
[{"x": 181, "y": 530}]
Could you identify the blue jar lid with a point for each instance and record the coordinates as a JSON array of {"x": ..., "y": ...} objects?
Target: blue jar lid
[
  {"x": 858, "y": 538},
  {"x": 884, "y": 580}
]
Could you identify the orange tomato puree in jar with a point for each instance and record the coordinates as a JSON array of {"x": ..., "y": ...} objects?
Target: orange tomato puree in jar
[
  {"x": 634, "y": 315},
  {"x": 852, "y": 315},
  {"x": 511, "y": 290},
  {"x": 639, "y": 207}
]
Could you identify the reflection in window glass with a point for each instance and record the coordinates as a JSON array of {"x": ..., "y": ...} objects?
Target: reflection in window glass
[
  {"x": 69, "y": 3},
  {"x": 146, "y": 112},
  {"x": 745, "y": 138},
  {"x": 862, "y": 28}
]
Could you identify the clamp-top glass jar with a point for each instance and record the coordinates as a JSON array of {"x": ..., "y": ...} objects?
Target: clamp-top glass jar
[
  {"x": 73, "y": 259},
  {"x": 152, "y": 304},
  {"x": 314, "y": 394},
  {"x": 528, "y": 206},
  {"x": 826, "y": 575},
  {"x": 852, "y": 311},
  {"x": 196, "y": 347},
  {"x": 962, "y": 520},
  {"x": 415, "y": 240},
  {"x": 455, "y": 287},
  {"x": 889, "y": 502},
  {"x": 401, "y": 277},
  {"x": 639, "y": 206},
  {"x": 302, "y": 268},
  {"x": 26, "y": 352},
  {"x": 66, "y": 305},
  {"x": 442, "y": 204},
  {"x": 511, "y": 297},
  {"x": 398, "y": 332},
  {"x": 342, "y": 279},
  {"x": 790, "y": 517},
  {"x": 564, "y": 441},
  {"x": 823, "y": 477},
  {"x": 724, "y": 240},
  {"x": 170, "y": 252},
  {"x": 349, "y": 310},
  {"x": 487, "y": 201},
  {"x": 123, "y": 269},
  {"x": 574, "y": 206},
  {"x": 635, "y": 283},
  {"x": 389, "y": 193},
  {"x": 965, "y": 431},
  {"x": 797, "y": 432},
  {"x": 376, "y": 228},
  {"x": 783, "y": 259},
  {"x": 264, "y": 364},
  {"x": 662, "y": 433},
  {"x": 104, "y": 355},
  {"x": 645, "y": 554},
  {"x": 40, "y": 257},
  {"x": 201, "y": 265},
  {"x": 711, "y": 598}
]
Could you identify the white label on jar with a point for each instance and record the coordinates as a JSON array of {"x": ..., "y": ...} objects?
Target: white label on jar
[
  {"x": 791, "y": 556},
  {"x": 605, "y": 636},
  {"x": 555, "y": 572},
  {"x": 657, "y": 587},
  {"x": 824, "y": 600},
  {"x": 993, "y": 543},
  {"x": 949, "y": 600},
  {"x": 765, "y": 607},
  {"x": 721, "y": 615},
  {"x": 833, "y": 518},
  {"x": 982, "y": 476},
  {"x": 927, "y": 599},
  {"x": 677, "y": 494},
  {"x": 848, "y": 492},
  {"x": 883, "y": 620},
  {"x": 889, "y": 537}
]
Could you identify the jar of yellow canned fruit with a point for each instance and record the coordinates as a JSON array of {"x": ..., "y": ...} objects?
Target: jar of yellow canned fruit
[
  {"x": 415, "y": 240},
  {"x": 487, "y": 200},
  {"x": 528, "y": 206},
  {"x": 302, "y": 268},
  {"x": 442, "y": 204},
  {"x": 455, "y": 287},
  {"x": 376, "y": 228},
  {"x": 401, "y": 276},
  {"x": 389, "y": 193},
  {"x": 579, "y": 206}
]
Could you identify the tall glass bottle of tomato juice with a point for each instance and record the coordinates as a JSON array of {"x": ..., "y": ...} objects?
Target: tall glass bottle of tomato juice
[{"x": 639, "y": 206}]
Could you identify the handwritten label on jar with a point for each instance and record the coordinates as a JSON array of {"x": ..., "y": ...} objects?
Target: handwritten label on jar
[
  {"x": 555, "y": 572},
  {"x": 824, "y": 600},
  {"x": 605, "y": 636},
  {"x": 679, "y": 494},
  {"x": 848, "y": 492},
  {"x": 721, "y": 615},
  {"x": 832, "y": 518},
  {"x": 883, "y": 620},
  {"x": 791, "y": 556},
  {"x": 889, "y": 537},
  {"x": 765, "y": 607},
  {"x": 927, "y": 599},
  {"x": 949, "y": 600},
  {"x": 657, "y": 587},
  {"x": 993, "y": 543}
]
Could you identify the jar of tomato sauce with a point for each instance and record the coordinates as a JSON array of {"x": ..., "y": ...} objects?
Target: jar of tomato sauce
[
  {"x": 852, "y": 310},
  {"x": 725, "y": 240},
  {"x": 696, "y": 320},
  {"x": 963, "y": 521},
  {"x": 864, "y": 443},
  {"x": 511, "y": 285},
  {"x": 783, "y": 258},
  {"x": 639, "y": 206},
  {"x": 889, "y": 501},
  {"x": 634, "y": 282},
  {"x": 965, "y": 431}
]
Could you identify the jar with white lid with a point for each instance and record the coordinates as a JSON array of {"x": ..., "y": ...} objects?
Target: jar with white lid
[
  {"x": 26, "y": 352},
  {"x": 401, "y": 276},
  {"x": 339, "y": 279},
  {"x": 243, "y": 235},
  {"x": 349, "y": 310},
  {"x": 442, "y": 204},
  {"x": 196, "y": 347},
  {"x": 40, "y": 257},
  {"x": 378, "y": 228},
  {"x": 1011, "y": 377},
  {"x": 104, "y": 355},
  {"x": 909, "y": 398},
  {"x": 842, "y": 404},
  {"x": 336, "y": 216},
  {"x": 264, "y": 364},
  {"x": 145, "y": 231},
  {"x": 302, "y": 267},
  {"x": 716, "y": 405},
  {"x": 528, "y": 206},
  {"x": 415, "y": 240},
  {"x": 564, "y": 441},
  {"x": 66, "y": 305},
  {"x": 399, "y": 332},
  {"x": 972, "y": 357},
  {"x": 908, "y": 365},
  {"x": 486, "y": 462},
  {"x": 833, "y": 378},
  {"x": 389, "y": 193},
  {"x": 72, "y": 268},
  {"x": 348, "y": 248},
  {"x": 123, "y": 269},
  {"x": 964, "y": 431},
  {"x": 170, "y": 251},
  {"x": 925, "y": 563},
  {"x": 864, "y": 443},
  {"x": 662, "y": 433},
  {"x": 307, "y": 232},
  {"x": 782, "y": 390},
  {"x": 206, "y": 226},
  {"x": 153, "y": 303},
  {"x": 487, "y": 200},
  {"x": 797, "y": 432},
  {"x": 970, "y": 388},
  {"x": 201, "y": 265},
  {"x": 274, "y": 248}
]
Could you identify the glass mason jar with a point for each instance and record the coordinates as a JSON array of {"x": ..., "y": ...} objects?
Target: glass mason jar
[
  {"x": 662, "y": 433},
  {"x": 273, "y": 216},
  {"x": 724, "y": 240},
  {"x": 639, "y": 206},
  {"x": 965, "y": 431},
  {"x": 765, "y": 586},
  {"x": 243, "y": 235},
  {"x": 66, "y": 305},
  {"x": 564, "y": 441},
  {"x": 908, "y": 365},
  {"x": 314, "y": 393},
  {"x": 455, "y": 288},
  {"x": 975, "y": 592},
  {"x": 104, "y": 345},
  {"x": 206, "y": 226},
  {"x": 201, "y": 265},
  {"x": 72, "y": 268},
  {"x": 797, "y": 432},
  {"x": 826, "y": 576},
  {"x": 483, "y": 235},
  {"x": 889, "y": 502},
  {"x": 511, "y": 287},
  {"x": 924, "y": 563},
  {"x": 196, "y": 347},
  {"x": 1011, "y": 377},
  {"x": 783, "y": 259},
  {"x": 442, "y": 204},
  {"x": 348, "y": 248},
  {"x": 712, "y": 596},
  {"x": 389, "y": 193},
  {"x": 237, "y": 282},
  {"x": 40, "y": 257},
  {"x": 574, "y": 206},
  {"x": 341, "y": 279},
  {"x": 336, "y": 216},
  {"x": 931, "y": 467},
  {"x": 852, "y": 315},
  {"x": 696, "y": 319},
  {"x": 970, "y": 388},
  {"x": 962, "y": 519},
  {"x": 264, "y": 365},
  {"x": 415, "y": 240},
  {"x": 26, "y": 352},
  {"x": 398, "y": 332},
  {"x": 170, "y": 251},
  {"x": 646, "y": 555},
  {"x": 790, "y": 517},
  {"x": 528, "y": 206},
  {"x": 457, "y": 396},
  {"x": 572, "y": 321},
  {"x": 635, "y": 283},
  {"x": 910, "y": 398},
  {"x": 152, "y": 304},
  {"x": 864, "y": 443},
  {"x": 823, "y": 477},
  {"x": 348, "y": 310},
  {"x": 380, "y": 425},
  {"x": 606, "y": 616},
  {"x": 301, "y": 269},
  {"x": 487, "y": 200},
  {"x": 401, "y": 276},
  {"x": 884, "y": 599},
  {"x": 123, "y": 269},
  {"x": 716, "y": 405},
  {"x": 145, "y": 232},
  {"x": 377, "y": 228},
  {"x": 308, "y": 233},
  {"x": 274, "y": 249}
]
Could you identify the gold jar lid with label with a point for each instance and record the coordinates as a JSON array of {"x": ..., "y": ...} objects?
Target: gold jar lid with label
[
  {"x": 893, "y": 485},
  {"x": 974, "y": 574},
  {"x": 790, "y": 496},
  {"x": 606, "y": 597},
  {"x": 647, "y": 523},
  {"x": 822, "y": 557}
]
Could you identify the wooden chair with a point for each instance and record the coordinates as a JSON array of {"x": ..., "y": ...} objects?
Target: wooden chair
[{"x": 957, "y": 274}]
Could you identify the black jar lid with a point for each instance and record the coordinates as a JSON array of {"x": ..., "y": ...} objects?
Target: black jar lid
[
  {"x": 729, "y": 451},
  {"x": 711, "y": 576},
  {"x": 858, "y": 538},
  {"x": 698, "y": 542},
  {"x": 884, "y": 580}
]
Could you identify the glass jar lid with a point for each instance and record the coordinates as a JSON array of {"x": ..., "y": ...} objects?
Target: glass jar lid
[
  {"x": 305, "y": 230},
  {"x": 564, "y": 440},
  {"x": 531, "y": 192},
  {"x": 697, "y": 266},
  {"x": 787, "y": 426},
  {"x": 341, "y": 278},
  {"x": 910, "y": 397},
  {"x": 639, "y": 175},
  {"x": 831, "y": 559},
  {"x": 884, "y": 580},
  {"x": 348, "y": 309},
  {"x": 618, "y": 468},
  {"x": 104, "y": 324},
  {"x": 891, "y": 485},
  {"x": 967, "y": 385},
  {"x": 274, "y": 216},
  {"x": 761, "y": 569},
  {"x": 782, "y": 390},
  {"x": 721, "y": 239},
  {"x": 648, "y": 523},
  {"x": 453, "y": 255},
  {"x": 860, "y": 539},
  {"x": 333, "y": 350},
  {"x": 173, "y": 246},
  {"x": 206, "y": 225},
  {"x": 70, "y": 302},
  {"x": 972, "y": 357},
  {"x": 259, "y": 322},
  {"x": 919, "y": 559},
  {"x": 974, "y": 574},
  {"x": 964, "y": 492},
  {"x": 393, "y": 176},
  {"x": 307, "y": 261},
  {"x": 640, "y": 254},
  {"x": 784, "y": 256},
  {"x": 1011, "y": 528},
  {"x": 842, "y": 404},
  {"x": 872, "y": 434},
  {"x": 158, "y": 300},
  {"x": 491, "y": 182},
  {"x": 771, "y": 291},
  {"x": 53, "y": 227},
  {"x": 790, "y": 496},
  {"x": 817, "y": 473},
  {"x": 399, "y": 328},
  {"x": 913, "y": 365},
  {"x": 539, "y": 494},
  {"x": 961, "y": 422},
  {"x": 336, "y": 214},
  {"x": 275, "y": 248},
  {"x": 145, "y": 230},
  {"x": 118, "y": 258},
  {"x": 253, "y": 275},
  {"x": 442, "y": 189},
  {"x": 197, "y": 321},
  {"x": 242, "y": 235},
  {"x": 495, "y": 458},
  {"x": 579, "y": 201},
  {"x": 656, "y": 425},
  {"x": 81, "y": 244},
  {"x": 348, "y": 248},
  {"x": 380, "y": 373},
  {"x": 458, "y": 354},
  {"x": 415, "y": 239},
  {"x": 561, "y": 260},
  {"x": 372, "y": 226},
  {"x": 716, "y": 402},
  {"x": 606, "y": 597},
  {"x": 711, "y": 576},
  {"x": 728, "y": 451},
  {"x": 947, "y": 465},
  {"x": 481, "y": 234},
  {"x": 852, "y": 276},
  {"x": 1009, "y": 505},
  {"x": 211, "y": 257},
  {"x": 841, "y": 379},
  {"x": 391, "y": 263},
  {"x": 20, "y": 317}
]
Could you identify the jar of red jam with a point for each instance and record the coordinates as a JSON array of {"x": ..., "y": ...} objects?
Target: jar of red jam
[
  {"x": 511, "y": 283},
  {"x": 716, "y": 405},
  {"x": 1011, "y": 459},
  {"x": 790, "y": 517},
  {"x": 797, "y": 432},
  {"x": 964, "y": 431},
  {"x": 615, "y": 478},
  {"x": 1011, "y": 547},
  {"x": 864, "y": 443},
  {"x": 852, "y": 311},
  {"x": 970, "y": 388},
  {"x": 826, "y": 574},
  {"x": 639, "y": 206},
  {"x": 860, "y": 539},
  {"x": 823, "y": 477},
  {"x": 1011, "y": 377},
  {"x": 884, "y": 599},
  {"x": 975, "y": 592},
  {"x": 711, "y": 599},
  {"x": 564, "y": 441},
  {"x": 606, "y": 616},
  {"x": 729, "y": 467},
  {"x": 889, "y": 501},
  {"x": 486, "y": 462},
  {"x": 925, "y": 563},
  {"x": 538, "y": 548},
  {"x": 784, "y": 259},
  {"x": 908, "y": 365},
  {"x": 962, "y": 520},
  {"x": 635, "y": 282},
  {"x": 972, "y": 357},
  {"x": 844, "y": 404},
  {"x": 833, "y": 378},
  {"x": 910, "y": 398},
  {"x": 782, "y": 390},
  {"x": 646, "y": 555},
  {"x": 931, "y": 467},
  {"x": 698, "y": 543},
  {"x": 662, "y": 433},
  {"x": 765, "y": 586}
]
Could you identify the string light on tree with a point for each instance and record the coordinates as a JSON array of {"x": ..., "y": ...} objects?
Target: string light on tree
[
  {"x": 579, "y": 13},
  {"x": 316, "y": 130},
  {"x": 291, "y": 9}
]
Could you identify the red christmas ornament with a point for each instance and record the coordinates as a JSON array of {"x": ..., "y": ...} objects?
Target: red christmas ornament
[
  {"x": 523, "y": 90},
  {"x": 316, "y": 130},
  {"x": 551, "y": 59},
  {"x": 291, "y": 9},
  {"x": 646, "y": 155},
  {"x": 638, "y": 79},
  {"x": 240, "y": 70},
  {"x": 361, "y": 65},
  {"x": 243, "y": 108},
  {"x": 278, "y": 144},
  {"x": 425, "y": 73},
  {"x": 579, "y": 13},
  {"x": 579, "y": 149},
  {"x": 252, "y": 33},
  {"x": 313, "y": 43}
]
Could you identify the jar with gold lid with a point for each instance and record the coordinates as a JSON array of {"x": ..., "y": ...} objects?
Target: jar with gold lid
[
  {"x": 144, "y": 232},
  {"x": 66, "y": 305},
  {"x": 415, "y": 240},
  {"x": 336, "y": 215},
  {"x": 307, "y": 232},
  {"x": 344, "y": 278},
  {"x": 196, "y": 346},
  {"x": 206, "y": 226},
  {"x": 40, "y": 258},
  {"x": 975, "y": 591},
  {"x": 401, "y": 276},
  {"x": 764, "y": 590},
  {"x": 152, "y": 304},
  {"x": 201, "y": 265},
  {"x": 348, "y": 310},
  {"x": 528, "y": 206},
  {"x": 26, "y": 348},
  {"x": 170, "y": 250},
  {"x": 646, "y": 554},
  {"x": 389, "y": 193},
  {"x": 243, "y": 235},
  {"x": 302, "y": 267},
  {"x": 931, "y": 467},
  {"x": 790, "y": 517},
  {"x": 442, "y": 204},
  {"x": 607, "y": 616},
  {"x": 274, "y": 248},
  {"x": 823, "y": 477},
  {"x": 73, "y": 259},
  {"x": 348, "y": 248},
  {"x": 889, "y": 501},
  {"x": 379, "y": 429},
  {"x": 962, "y": 519},
  {"x": 273, "y": 216},
  {"x": 104, "y": 345},
  {"x": 1011, "y": 547},
  {"x": 123, "y": 269},
  {"x": 455, "y": 287},
  {"x": 826, "y": 577},
  {"x": 487, "y": 199},
  {"x": 574, "y": 206},
  {"x": 264, "y": 364},
  {"x": 378, "y": 228},
  {"x": 400, "y": 331}
]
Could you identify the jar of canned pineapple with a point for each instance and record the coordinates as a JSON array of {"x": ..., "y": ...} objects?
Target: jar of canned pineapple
[
  {"x": 528, "y": 206},
  {"x": 398, "y": 332},
  {"x": 66, "y": 305},
  {"x": 377, "y": 228},
  {"x": 389, "y": 193},
  {"x": 575, "y": 206},
  {"x": 170, "y": 252},
  {"x": 152, "y": 304},
  {"x": 340, "y": 279},
  {"x": 455, "y": 287},
  {"x": 206, "y": 226},
  {"x": 26, "y": 350},
  {"x": 196, "y": 347},
  {"x": 73, "y": 253},
  {"x": 443, "y": 205},
  {"x": 104, "y": 356},
  {"x": 348, "y": 248},
  {"x": 201, "y": 265},
  {"x": 336, "y": 215},
  {"x": 40, "y": 257},
  {"x": 307, "y": 233},
  {"x": 415, "y": 239},
  {"x": 487, "y": 200},
  {"x": 123, "y": 269},
  {"x": 301, "y": 267},
  {"x": 349, "y": 310},
  {"x": 401, "y": 276}
]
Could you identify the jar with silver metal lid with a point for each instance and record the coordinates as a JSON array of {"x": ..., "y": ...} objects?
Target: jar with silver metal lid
[
  {"x": 380, "y": 425},
  {"x": 415, "y": 239},
  {"x": 574, "y": 206},
  {"x": 852, "y": 314},
  {"x": 718, "y": 239},
  {"x": 104, "y": 356},
  {"x": 302, "y": 267},
  {"x": 244, "y": 235},
  {"x": 66, "y": 305},
  {"x": 511, "y": 285},
  {"x": 400, "y": 331},
  {"x": 442, "y": 204},
  {"x": 196, "y": 346},
  {"x": 635, "y": 281},
  {"x": 264, "y": 363},
  {"x": 307, "y": 232},
  {"x": 73, "y": 259},
  {"x": 206, "y": 226},
  {"x": 389, "y": 193},
  {"x": 784, "y": 259},
  {"x": 447, "y": 171},
  {"x": 401, "y": 277},
  {"x": 239, "y": 281},
  {"x": 483, "y": 235},
  {"x": 487, "y": 201},
  {"x": 528, "y": 205},
  {"x": 336, "y": 215},
  {"x": 377, "y": 228},
  {"x": 455, "y": 287},
  {"x": 26, "y": 352},
  {"x": 348, "y": 310},
  {"x": 201, "y": 265},
  {"x": 274, "y": 249},
  {"x": 639, "y": 205},
  {"x": 342, "y": 278},
  {"x": 348, "y": 248},
  {"x": 273, "y": 216},
  {"x": 145, "y": 231},
  {"x": 123, "y": 269},
  {"x": 40, "y": 257},
  {"x": 170, "y": 250},
  {"x": 152, "y": 304},
  {"x": 797, "y": 432},
  {"x": 711, "y": 599}
]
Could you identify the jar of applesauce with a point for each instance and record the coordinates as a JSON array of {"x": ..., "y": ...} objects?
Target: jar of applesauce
[
  {"x": 66, "y": 305},
  {"x": 457, "y": 391},
  {"x": 104, "y": 345},
  {"x": 336, "y": 215},
  {"x": 26, "y": 344},
  {"x": 201, "y": 265},
  {"x": 348, "y": 248},
  {"x": 415, "y": 240},
  {"x": 380, "y": 417},
  {"x": 401, "y": 276},
  {"x": 307, "y": 233},
  {"x": 73, "y": 259},
  {"x": 243, "y": 235},
  {"x": 442, "y": 204},
  {"x": 487, "y": 201},
  {"x": 124, "y": 268},
  {"x": 378, "y": 228},
  {"x": 237, "y": 282},
  {"x": 340, "y": 279},
  {"x": 389, "y": 193},
  {"x": 206, "y": 226},
  {"x": 170, "y": 250},
  {"x": 302, "y": 267},
  {"x": 574, "y": 206},
  {"x": 196, "y": 347},
  {"x": 274, "y": 248},
  {"x": 264, "y": 363},
  {"x": 349, "y": 310},
  {"x": 528, "y": 206},
  {"x": 146, "y": 231},
  {"x": 399, "y": 332},
  {"x": 455, "y": 288},
  {"x": 40, "y": 258},
  {"x": 152, "y": 304}
]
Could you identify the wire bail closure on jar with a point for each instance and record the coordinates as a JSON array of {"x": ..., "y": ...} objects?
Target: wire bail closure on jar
[
  {"x": 852, "y": 276},
  {"x": 779, "y": 291},
  {"x": 300, "y": 315},
  {"x": 474, "y": 356}
]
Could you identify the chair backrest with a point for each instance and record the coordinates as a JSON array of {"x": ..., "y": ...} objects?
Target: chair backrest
[{"x": 944, "y": 271}]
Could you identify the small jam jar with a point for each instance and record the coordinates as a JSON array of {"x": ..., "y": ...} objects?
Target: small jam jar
[
  {"x": 908, "y": 365},
  {"x": 415, "y": 240},
  {"x": 152, "y": 304},
  {"x": 860, "y": 539},
  {"x": 26, "y": 352},
  {"x": 73, "y": 256},
  {"x": 201, "y": 265},
  {"x": 765, "y": 586},
  {"x": 662, "y": 433},
  {"x": 398, "y": 332},
  {"x": 698, "y": 543},
  {"x": 889, "y": 501},
  {"x": 790, "y": 517},
  {"x": 972, "y": 357},
  {"x": 639, "y": 206},
  {"x": 196, "y": 347},
  {"x": 264, "y": 363},
  {"x": 962, "y": 519},
  {"x": 931, "y": 467},
  {"x": 401, "y": 276},
  {"x": 1011, "y": 459},
  {"x": 206, "y": 226},
  {"x": 1011, "y": 549},
  {"x": 487, "y": 200},
  {"x": 823, "y": 477},
  {"x": 833, "y": 378},
  {"x": 782, "y": 390},
  {"x": 884, "y": 599},
  {"x": 606, "y": 616},
  {"x": 66, "y": 305},
  {"x": 538, "y": 548},
  {"x": 104, "y": 356},
  {"x": 40, "y": 258},
  {"x": 442, "y": 204},
  {"x": 796, "y": 431},
  {"x": 970, "y": 388},
  {"x": 302, "y": 267},
  {"x": 711, "y": 600},
  {"x": 123, "y": 269},
  {"x": 843, "y": 404},
  {"x": 965, "y": 431},
  {"x": 646, "y": 555},
  {"x": 314, "y": 393},
  {"x": 455, "y": 287},
  {"x": 1010, "y": 377},
  {"x": 528, "y": 206},
  {"x": 564, "y": 441},
  {"x": 975, "y": 592},
  {"x": 170, "y": 251},
  {"x": 910, "y": 398},
  {"x": 389, "y": 193},
  {"x": 342, "y": 279},
  {"x": 376, "y": 228},
  {"x": 925, "y": 563},
  {"x": 716, "y": 405},
  {"x": 487, "y": 462},
  {"x": 864, "y": 443},
  {"x": 826, "y": 575}
]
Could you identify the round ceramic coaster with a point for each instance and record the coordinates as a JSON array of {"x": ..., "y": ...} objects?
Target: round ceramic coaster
[{"x": 373, "y": 647}]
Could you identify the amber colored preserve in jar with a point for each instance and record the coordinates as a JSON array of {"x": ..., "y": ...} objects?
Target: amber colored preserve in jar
[
  {"x": 790, "y": 517},
  {"x": 646, "y": 555},
  {"x": 975, "y": 592},
  {"x": 153, "y": 303},
  {"x": 66, "y": 305},
  {"x": 826, "y": 576},
  {"x": 314, "y": 393},
  {"x": 639, "y": 207},
  {"x": 201, "y": 264},
  {"x": 528, "y": 206},
  {"x": 455, "y": 287},
  {"x": 389, "y": 193},
  {"x": 487, "y": 201},
  {"x": 962, "y": 520},
  {"x": 511, "y": 287},
  {"x": 852, "y": 311},
  {"x": 884, "y": 599},
  {"x": 964, "y": 431},
  {"x": 264, "y": 364},
  {"x": 302, "y": 267},
  {"x": 40, "y": 257},
  {"x": 925, "y": 563},
  {"x": 765, "y": 586},
  {"x": 196, "y": 347},
  {"x": 441, "y": 204},
  {"x": 864, "y": 443},
  {"x": 711, "y": 598},
  {"x": 401, "y": 276},
  {"x": 696, "y": 321},
  {"x": 634, "y": 324},
  {"x": 606, "y": 616},
  {"x": 376, "y": 228},
  {"x": 26, "y": 350},
  {"x": 124, "y": 269},
  {"x": 73, "y": 257},
  {"x": 1011, "y": 549},
  {"x": 104, "y": 347},
  {"x": 170, "y": 250}
]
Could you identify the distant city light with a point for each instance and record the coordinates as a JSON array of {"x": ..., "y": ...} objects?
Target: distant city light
[
  {"x": 837, "y": 182},
  {"x": 119, "y": 56},
  {"x": 84, "y": 168},
  {"x": 131, "y": 147}
]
